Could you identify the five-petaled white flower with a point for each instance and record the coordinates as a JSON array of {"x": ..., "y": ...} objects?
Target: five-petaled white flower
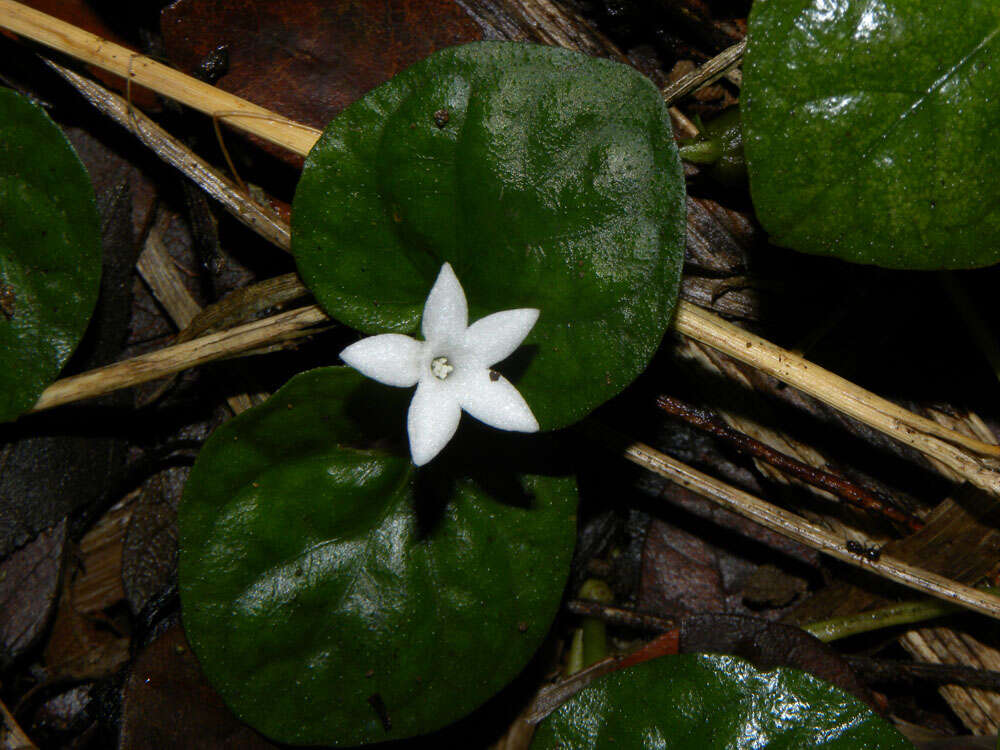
[{"x": 451, "y": 367}]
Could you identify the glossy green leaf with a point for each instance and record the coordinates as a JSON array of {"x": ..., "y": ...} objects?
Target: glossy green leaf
[
  {"x": 336, "y": 595},
  {"x": 713, "y": 702},
  {"x": 871, "y": 126},
  {"x": 547, "y": 179},
  {"x": 50, "y": 252}
]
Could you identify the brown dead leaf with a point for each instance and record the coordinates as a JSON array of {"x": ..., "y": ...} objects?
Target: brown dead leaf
[
  {"x": 82, "y": 14},
  {"x": 85, "y": 646},
  {"x": 88, "y": 641},
  {"x": 168, "y": 703},
  {"x": 29, "y": 589},
  {"x": 680, "y": 573},
  {"x": 769, "y": 645},
  {"x": 149, "y": 561},
  {"x": 309, "y": 59},
  {"x": 690, "y": 567},
  {"x": 65, "y": 712}
]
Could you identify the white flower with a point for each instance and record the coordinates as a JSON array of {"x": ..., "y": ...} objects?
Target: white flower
[{"x": 450, "y": 367}]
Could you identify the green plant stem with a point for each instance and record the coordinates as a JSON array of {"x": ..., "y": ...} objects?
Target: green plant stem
[
  {"x": 701, "y": 152},
  {"x": 574, "y": 659},
  {"x": 905, "y": 613},
  {"x": 595, "y": 639}
]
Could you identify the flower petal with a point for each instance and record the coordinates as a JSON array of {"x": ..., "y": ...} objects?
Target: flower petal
[
  {"x": 446, "y": 313},
  {"x": 497, "y": 402},
  {"x": 389, "y": 358},
  {"x": 432, "y": 420},
  {"x": 495, "y": 337}
]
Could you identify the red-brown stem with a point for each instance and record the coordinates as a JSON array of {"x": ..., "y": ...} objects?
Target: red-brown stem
[
  {"x": 667, "y": 644},
  {"x": 842, "y": 487}
]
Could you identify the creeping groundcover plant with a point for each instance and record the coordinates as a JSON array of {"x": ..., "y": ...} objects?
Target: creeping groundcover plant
[{"x": 416, "y": 580}]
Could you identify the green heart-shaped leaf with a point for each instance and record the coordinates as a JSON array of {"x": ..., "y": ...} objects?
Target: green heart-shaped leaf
[
  {"x": 714, "y": 702},
  {"x": 870, "y": 129},
  {"x": 547, "y": 179},
  {"x": 50, "y": 252},
  {"x": 336, "y": 595}
]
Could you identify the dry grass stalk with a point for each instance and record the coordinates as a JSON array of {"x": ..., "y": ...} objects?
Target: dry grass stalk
[
  {"x": 710, "y": 71},
  {"x": 978, "y": 709},
  {"x": 240, "y": 340},
  {"x": 156, "y": 269}
]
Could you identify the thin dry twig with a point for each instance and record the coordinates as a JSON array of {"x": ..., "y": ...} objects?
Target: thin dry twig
[
  {"x": 976, "y": 708},
  {"x": 549, "y": 697},
  {"x": 245, "y": 304},
  {"x": 239, "y": 340},
  {"x": 840, "y": 486},
  {"x": 711, "y": 70}
]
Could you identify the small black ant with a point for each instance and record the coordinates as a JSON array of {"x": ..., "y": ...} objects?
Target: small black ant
[{"x": 871, "y": 553}]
